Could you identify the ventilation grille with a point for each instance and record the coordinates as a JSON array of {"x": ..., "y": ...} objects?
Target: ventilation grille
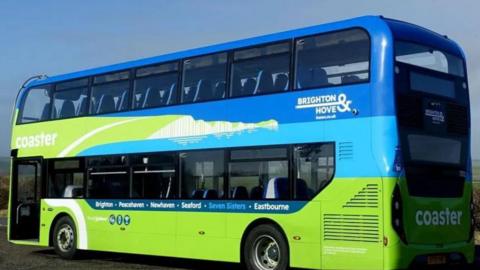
[
  {"x": 457, "y": 119},
  {"x": 356, "y": 228},
  {"x": 367, "y": 197},
  {"x": 345, "y": 150}
]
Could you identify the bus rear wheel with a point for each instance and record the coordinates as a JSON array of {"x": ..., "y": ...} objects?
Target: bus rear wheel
[
  {"x": 64, "y": 238},
  {"x": 265, "y": 248}
]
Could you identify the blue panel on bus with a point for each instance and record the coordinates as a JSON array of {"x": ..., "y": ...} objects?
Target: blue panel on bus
[{"x": 267, "y": 207}]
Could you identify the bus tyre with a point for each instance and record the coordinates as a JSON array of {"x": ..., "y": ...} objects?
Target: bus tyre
[
  {"x": 64, "y": 238},
  {"x": 265, "y": 248}
]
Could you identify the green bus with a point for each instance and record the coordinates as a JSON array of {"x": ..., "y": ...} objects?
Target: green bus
[{"x": 338, "y": 146}]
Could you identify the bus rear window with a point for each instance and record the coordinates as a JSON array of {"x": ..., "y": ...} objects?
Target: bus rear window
[
  {"x": 432, "y": 85},
  {"x": 429, "y": 58},
  {"x": 434, "y": 149}
]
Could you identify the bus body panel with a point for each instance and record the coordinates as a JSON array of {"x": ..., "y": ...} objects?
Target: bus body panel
[{"x": 319, "y": 232}]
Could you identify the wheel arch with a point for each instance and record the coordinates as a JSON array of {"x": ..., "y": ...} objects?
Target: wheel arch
[
  {"x": 54, "y": 223},
  {"x": 258, "y": 222}
]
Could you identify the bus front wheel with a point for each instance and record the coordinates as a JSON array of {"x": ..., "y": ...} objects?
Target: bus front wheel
[
  {"x": 265, "y": 248},
  {"x": 64, "y": 238}
]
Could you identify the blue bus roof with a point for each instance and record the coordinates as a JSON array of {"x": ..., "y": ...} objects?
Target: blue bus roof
[{"x": 372, "y": 24}]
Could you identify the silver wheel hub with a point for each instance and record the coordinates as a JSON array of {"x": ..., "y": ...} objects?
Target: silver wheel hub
[
  {"x": 266, "y": 253},
  {"x": 65, "y": 238}
]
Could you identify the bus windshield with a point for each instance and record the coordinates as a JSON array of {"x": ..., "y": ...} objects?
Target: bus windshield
[{"x": 428, "y": 57}]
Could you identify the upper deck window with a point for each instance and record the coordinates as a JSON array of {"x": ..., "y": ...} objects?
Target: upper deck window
[
  {"x": 110, "y": 93},
  {"x": 36, "y": 105},
  {"x": 70, "y": 99},
  {"x": 428, "y": 57},
  {"x": 204, "y": 78},
  {"x": 332, "y": 59},
  {"x": 156, "y": 86},
  {"x": 261, "y": 70}
]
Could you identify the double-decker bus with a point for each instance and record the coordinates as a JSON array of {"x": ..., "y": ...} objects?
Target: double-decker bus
[{"x": 338, "y": 146}]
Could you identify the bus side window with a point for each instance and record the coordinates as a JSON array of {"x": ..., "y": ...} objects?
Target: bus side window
[
  {"x": 108, "y": 177},
  {"x": 70, "y": 99},
  {"x": 259, "y": 173},
  {"x": 315, "y": 168},
  {"x": 36, "y": 105},
  {"x": 110, "y": 93},
  {"x": 66, "y": 179},
  {"x": 204, "y": 77},
  {"x": 154, "y": 176},
  {"x": 202, "y": 174},
  {"x": 155, "y": 86},
  {"x": 260, "y": 70},
  {"x": 332, "y": 58}
]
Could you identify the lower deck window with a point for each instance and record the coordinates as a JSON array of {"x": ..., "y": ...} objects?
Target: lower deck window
[
  {"x": 202, "y": 174},
  {"x": 315, "y": 169}
]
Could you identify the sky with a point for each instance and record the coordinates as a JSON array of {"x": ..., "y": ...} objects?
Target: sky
[{"x": 55, "y": 37}]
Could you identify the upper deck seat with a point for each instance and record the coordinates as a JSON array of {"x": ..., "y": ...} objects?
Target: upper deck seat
[
  {"x": 68, "y": 109},
  {"x": 204, "y": 91},
  {"x": 281, "y": 82},
  {"x": 152, "y": 98},
  {"x": 169, "y": 94},
  {"x": 350, "y": 79},
  {"x": 312, "y": 77},
  {"x": 264, "y": 83},
  {"x": 82, "y": 108},
  {"x": 277, "y": 188},
  {"x": 249, "y": 87},
  {"x": 189, "y": 95},
  {"x": 106, "y": 104},
  {"x": 46, "y": 112},
  {"x": 219, "y": 92}
]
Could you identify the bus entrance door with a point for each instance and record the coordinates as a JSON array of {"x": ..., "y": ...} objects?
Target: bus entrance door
[{"x": 26, "y": 192}]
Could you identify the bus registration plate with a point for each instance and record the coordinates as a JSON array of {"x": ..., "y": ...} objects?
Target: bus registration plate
[{"x": 436, "y": 259}]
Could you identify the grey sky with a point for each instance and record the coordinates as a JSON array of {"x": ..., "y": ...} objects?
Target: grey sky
[{"x": 54, "y": 37}]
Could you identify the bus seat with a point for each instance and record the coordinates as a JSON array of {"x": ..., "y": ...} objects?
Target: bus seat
[
  {"x": 188, "y": 96},
  {"x": 312, "y": 76},
  {"x": 73, "y": 191},
  {"x": 302, "y": 190},
  {"x": 210, "y": 194},
  {"x": 68, "y": 109},
  {"x": 197, "y": 194},
  {"x": 219, "y": 90},
  {"x": 169, "y": 100},
  {"x": 256, "y": 193},
  {"x": 46, "y": 112},
  {"x": 204, "y": 91},
  {"x": 264, "y": 82},
  {"x": 249, "y": 87},
  {"x": 236, "y": 86},
  {"x": 106, "y": 104},
  {"x": 350, "y": 79},
  {"x": 240, "y": 193},
  {"x": 152, "y": 98},
  {"x": 122, "y": 103},
  {"x": 82, "y": 108},
  {"x": 281, "y": 82},
  {"x": 277, "y": 188}
]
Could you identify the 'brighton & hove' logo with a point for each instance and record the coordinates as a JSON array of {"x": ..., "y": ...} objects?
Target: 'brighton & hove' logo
[{"x": 326, "y": 106}]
